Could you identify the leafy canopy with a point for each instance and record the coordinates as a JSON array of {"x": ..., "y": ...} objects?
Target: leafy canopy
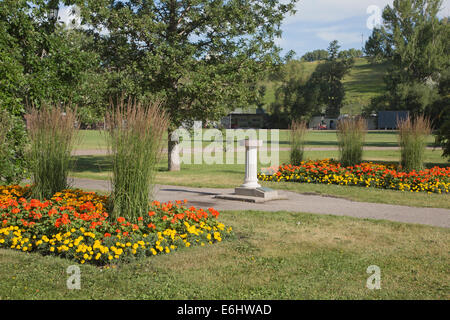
[{"x": 201, "y": 56}]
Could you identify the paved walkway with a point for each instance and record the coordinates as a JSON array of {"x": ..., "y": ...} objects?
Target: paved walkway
[{"x": 204, "y": 198}]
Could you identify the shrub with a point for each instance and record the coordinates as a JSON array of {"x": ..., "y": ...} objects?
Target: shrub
[
  {"x": 52, "y": 131},
  {"x": 13, "y": 140},
  {"x": 412, "y": 140},
  {"x": 297, "y": 139},
  {"x": 351, "y": 133},
  {"x": 134, "y": 136}
]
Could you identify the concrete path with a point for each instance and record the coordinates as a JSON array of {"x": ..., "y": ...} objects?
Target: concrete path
[{"x": 204, "y": 198}]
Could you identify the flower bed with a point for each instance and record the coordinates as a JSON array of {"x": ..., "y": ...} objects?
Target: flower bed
[
  {"x": 368, "y": 174},
  {"x": 75, "y": 224}
]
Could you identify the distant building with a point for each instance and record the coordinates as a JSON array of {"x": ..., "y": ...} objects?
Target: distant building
[
  {"x": 388, "y": 119},
  {"x": 323, "y": 123},
  {"x": 240, "y": 119}
]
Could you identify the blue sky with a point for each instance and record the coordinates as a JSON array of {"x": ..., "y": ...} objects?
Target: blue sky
[{"x": 318, "y": 22}]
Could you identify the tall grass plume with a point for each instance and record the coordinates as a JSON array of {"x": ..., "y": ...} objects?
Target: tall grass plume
[
  {"x": 351, "y": 133},
  {"x": 52, "y": 132},
  {"x": 412, "y": 139},
  {"x": 134, "y": 134},
  {"x": 297, "y": 136}
]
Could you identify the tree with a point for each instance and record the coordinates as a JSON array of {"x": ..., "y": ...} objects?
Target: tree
[
  {"x": 350, "y": 53},
  {"x": 416, "y": 46},
  {"x": 439, "y": 111},
  {"x": 315, "y": 55},
  {"x": 301, "y": 95},
  {"x": 45, "y": 61},
  {"x": 294, "y": 99},
  {"x": 333, "y": 50},
  {"x": 328, "y": 78},
  {"x": 198, "y": 55},
  {"x": 377, "y": 47},
  {"x": 41, "y": 61}
]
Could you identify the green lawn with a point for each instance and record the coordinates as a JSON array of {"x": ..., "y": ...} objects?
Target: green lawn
[
  {"x": 95, "y": 139},
  {"x": 231, "y": 175},
  {"x": 361, "y": 84},
  {"x": 274, "y": 255}
]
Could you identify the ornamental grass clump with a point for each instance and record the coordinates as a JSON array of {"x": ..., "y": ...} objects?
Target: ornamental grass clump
[
  {"x": 412, "y": 139},
  {"x": 297, "y": 140},
  {"x": 350, "y": 134},
  {"x": 52, "y": 132},
  {"x": 134, "y": 135}
]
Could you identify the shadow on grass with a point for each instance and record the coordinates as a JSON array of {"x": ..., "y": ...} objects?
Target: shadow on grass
[{"x": 93, "y": 164}]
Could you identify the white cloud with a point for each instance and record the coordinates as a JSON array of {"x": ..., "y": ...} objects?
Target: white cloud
[
  {"x": 325, "y": 11},
  {"x": 344, "y": 37}
]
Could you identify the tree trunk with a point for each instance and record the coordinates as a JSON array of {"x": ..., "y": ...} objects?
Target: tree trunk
[{"x": 174, "y": 151}]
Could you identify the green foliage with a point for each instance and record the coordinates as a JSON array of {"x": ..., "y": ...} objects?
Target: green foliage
[
  {"x": 377, "y": 47},
  {"x": 350, "y": 53},
  {"x": 327, "y": 79},
  {"x": 416, "y": 42},
  {"x": 290, "y": 99},
  {"x": 439, "y": 111},
  {"x": 443, "y": 134},
  {"x": 315, "y": 55},
  {"x": 134, "y": 137},
  {"x": 52, "y": 133},
  {"x": 45, "y": 61},
  {"x": 302, "y": 94},
  {"x": 13, "y": 140},
  {"x": 333, "y": 50},
  {"x": 200, "y": 57}
]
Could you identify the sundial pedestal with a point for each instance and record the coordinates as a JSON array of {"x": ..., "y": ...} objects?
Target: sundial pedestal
[{"x": 251, "y": 190}]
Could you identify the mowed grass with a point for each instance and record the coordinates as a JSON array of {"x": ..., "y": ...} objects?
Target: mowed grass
[
  {"x": 274, "y": 255},
  {"x": 95, "y": 139},
  {"x": 232, "y": 175}
]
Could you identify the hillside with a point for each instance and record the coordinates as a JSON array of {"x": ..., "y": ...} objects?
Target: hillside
[{"x": 362, "y": 83}]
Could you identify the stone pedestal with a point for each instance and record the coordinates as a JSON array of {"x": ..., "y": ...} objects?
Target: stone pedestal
[
  {"x": 251, "y": 190},
  {"x": 251, "y": 163}
]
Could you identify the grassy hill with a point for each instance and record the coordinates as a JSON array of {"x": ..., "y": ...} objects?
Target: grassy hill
[{"x": 364, "y": 82}]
